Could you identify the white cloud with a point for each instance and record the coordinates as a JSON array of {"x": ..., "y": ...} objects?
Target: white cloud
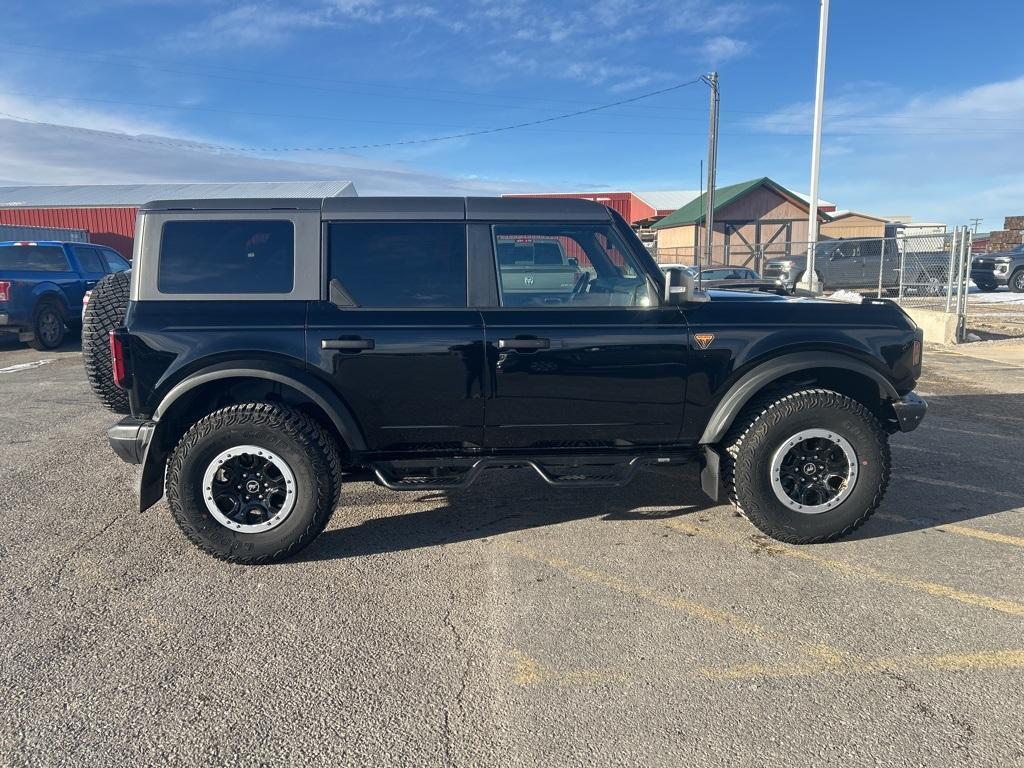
[
  {"x": 112, "y": 151},
  {"x": 721, "y": 48},
  {"x": 945, "y": 156},
  {"x": 558, "y": 40}
]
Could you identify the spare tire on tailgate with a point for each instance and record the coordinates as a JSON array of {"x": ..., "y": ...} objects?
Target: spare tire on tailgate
[{"x": 105, "y": 311}]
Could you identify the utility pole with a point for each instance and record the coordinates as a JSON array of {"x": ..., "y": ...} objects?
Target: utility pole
[
  {"x": 809, "y": 281},
  {"x": 976, "y": 222},
  {"x": 709, "y": 217}
]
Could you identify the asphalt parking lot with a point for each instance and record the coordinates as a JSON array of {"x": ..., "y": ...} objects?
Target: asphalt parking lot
[{"x": 513, "y": 624}]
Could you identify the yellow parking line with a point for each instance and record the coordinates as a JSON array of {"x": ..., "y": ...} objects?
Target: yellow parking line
[
  {"x": 963, "y": 530},
  {"x": 979, "y": 660},
  {"x": 963, "y": 486},
  {"x": 528, "y": 672},
  {"x": 973, "y": 433},
  {"x": 919, "y": 585},
  {"x": 674, "y": 602},
  {"x": 977, "y": 533}
]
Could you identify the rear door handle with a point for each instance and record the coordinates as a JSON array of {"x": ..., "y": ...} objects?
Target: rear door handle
[
  {"x": 524, "y": 343},
  {"x": 351, "y": 344}
]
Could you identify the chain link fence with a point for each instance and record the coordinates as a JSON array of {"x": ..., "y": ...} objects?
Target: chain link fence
[{"x": 930, "y": 271}]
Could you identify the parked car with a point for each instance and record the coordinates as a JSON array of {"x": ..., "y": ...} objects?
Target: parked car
[
  {"x": 272, "y": 347},
  {"x": 729, "y": 273},
  {"x": 990, "y": 270},
  {"x": 537, "y": 270},
  {"x": 865, "y": 264},
  {"x": 42, "y": 285},
  {"x": 685, "y": 267}
]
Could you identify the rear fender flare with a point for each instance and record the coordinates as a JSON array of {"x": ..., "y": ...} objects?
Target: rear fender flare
[
  {"x": 752, "y": 382},
  {"x": 153, "y": 463},
  {"x": 50, "y": 292}
]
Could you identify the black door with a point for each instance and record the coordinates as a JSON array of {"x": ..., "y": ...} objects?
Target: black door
[
  {"x": 597, "y": 364},
  {"x": 396, "y": 337}
]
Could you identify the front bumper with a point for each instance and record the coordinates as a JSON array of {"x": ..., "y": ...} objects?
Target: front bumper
[
  {"x": 990, "y": 275},
  {"x": 130, "y": 438},
  {"x": 910, "y": 411}
]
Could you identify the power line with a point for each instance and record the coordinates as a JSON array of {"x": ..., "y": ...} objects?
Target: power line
[
  {"x": 378, "y": 145},
  {"x": 172, "y": 67},
  {"x": 276, "y": 80}
]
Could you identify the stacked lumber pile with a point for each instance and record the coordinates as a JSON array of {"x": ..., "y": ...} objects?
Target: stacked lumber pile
[{"x": 1010, "y": 235}]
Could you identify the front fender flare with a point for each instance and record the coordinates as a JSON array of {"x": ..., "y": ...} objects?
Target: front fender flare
[{"x": 752, "y": 382}]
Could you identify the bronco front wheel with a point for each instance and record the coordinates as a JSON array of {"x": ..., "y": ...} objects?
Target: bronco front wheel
[
  {"x": 808, "y": 466},
  {"x": 253, "y": 483}
]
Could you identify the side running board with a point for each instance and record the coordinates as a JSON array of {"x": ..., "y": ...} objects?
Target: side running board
[{"x": 567, "y": 472}]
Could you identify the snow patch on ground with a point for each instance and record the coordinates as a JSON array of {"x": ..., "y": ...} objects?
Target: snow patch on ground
[
  {"x": 26, "y": 366},
  {"x": 998, "y": 296}
]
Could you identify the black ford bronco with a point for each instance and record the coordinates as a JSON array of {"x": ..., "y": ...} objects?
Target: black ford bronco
[{"x": 272, "y": 349}]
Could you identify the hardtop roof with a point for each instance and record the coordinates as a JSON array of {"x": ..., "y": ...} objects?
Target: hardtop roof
[{"x": 404, "y": 208}]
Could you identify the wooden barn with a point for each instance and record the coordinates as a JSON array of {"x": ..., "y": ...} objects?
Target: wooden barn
[{"x": 754, "y": 220}]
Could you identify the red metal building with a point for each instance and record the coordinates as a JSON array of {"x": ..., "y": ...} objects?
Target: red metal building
[
  {"x": 108, "y": 226},
  {"x": 107, "y": 211},
  {"x": 629, "y": 205}
]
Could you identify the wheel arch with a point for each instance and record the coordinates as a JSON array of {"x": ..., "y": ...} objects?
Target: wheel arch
[
  {"x": 837, "y": 371},
  {"x": 50, "y": 292},
  {"x": 208, "y": 390}
]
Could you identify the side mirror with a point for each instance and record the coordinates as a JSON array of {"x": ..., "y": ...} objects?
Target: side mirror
[{"x": 681, "y": 288}]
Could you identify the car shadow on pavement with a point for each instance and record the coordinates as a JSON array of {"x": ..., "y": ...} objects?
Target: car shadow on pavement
[
  {"x": 72, "y": 342},
  {"x": 514, "y": 500},
  {"x": 959, "y": 441}
]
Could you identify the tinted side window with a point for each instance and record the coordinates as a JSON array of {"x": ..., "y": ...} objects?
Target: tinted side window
[
  {"x": 115, "y": 263},
  {"x": 88, "y": 258},
  {"x": 400, "y": 265},
  {"x": 544, "y": 265},
  {"x": 227, "y": 257},
  {"x": 33, "y": 258}
]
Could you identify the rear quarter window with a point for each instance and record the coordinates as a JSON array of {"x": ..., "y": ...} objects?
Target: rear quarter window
[
  {"x": 33, "y": 258},
  {"x": 226, "y": 257}
]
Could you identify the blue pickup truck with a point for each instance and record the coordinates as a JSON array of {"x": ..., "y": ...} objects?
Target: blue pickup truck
[{"x": 42, "y": 284}]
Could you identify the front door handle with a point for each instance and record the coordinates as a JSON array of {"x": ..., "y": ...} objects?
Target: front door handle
[
  {"x": 524, "y": 343},
  {"x": 349, "y": 344}
]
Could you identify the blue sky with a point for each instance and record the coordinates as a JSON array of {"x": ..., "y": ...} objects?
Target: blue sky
[{"x": 924, "y": 100}]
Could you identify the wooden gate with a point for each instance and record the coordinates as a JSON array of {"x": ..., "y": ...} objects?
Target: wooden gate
[{"x": 749, "y": 243}]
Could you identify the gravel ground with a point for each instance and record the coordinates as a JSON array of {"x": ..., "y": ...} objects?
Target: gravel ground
[{"x": 515, "y": 624}]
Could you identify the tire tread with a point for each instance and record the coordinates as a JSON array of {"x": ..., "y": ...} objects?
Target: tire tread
[
  {"x": 766, "y": 411},
  {"x": 305, "y": 431}
]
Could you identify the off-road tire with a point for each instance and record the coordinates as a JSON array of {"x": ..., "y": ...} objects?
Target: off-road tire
[
  {"x": 763, "y": 427},
  {"x": 105, "y": 312},
  {"x": 46, "y": 309},
  {"x": 1016, "y": 282},
  {"x": 308, "y": 449}
]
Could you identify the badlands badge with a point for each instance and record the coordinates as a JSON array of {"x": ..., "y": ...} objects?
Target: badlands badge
[{"x": 704, "y": 339}]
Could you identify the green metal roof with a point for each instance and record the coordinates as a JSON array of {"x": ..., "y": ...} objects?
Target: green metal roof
[{"x": 693, "y": 211}]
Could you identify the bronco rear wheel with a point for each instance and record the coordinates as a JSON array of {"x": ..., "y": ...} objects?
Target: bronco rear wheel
[
  {"x": 253, "y": 483},
  {"x": 808, "y": 466}
]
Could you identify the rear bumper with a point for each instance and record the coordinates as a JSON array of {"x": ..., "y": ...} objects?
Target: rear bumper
[
  {"x": 130, "y": 438},
  {"x": 910, "y": 411}
]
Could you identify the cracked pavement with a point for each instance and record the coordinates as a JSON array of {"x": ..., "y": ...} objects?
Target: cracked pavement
[{"x": 513, "y": 624}]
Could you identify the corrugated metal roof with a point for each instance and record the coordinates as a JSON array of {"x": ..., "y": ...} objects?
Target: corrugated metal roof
[
  {"x": 78, "y": 195},
  {"x": 668, "y": 199},
  {"x": 693, "y": 211}
]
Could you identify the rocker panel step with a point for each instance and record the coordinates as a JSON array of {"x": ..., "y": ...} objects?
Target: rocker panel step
[{"x": 560, "y": 472}]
